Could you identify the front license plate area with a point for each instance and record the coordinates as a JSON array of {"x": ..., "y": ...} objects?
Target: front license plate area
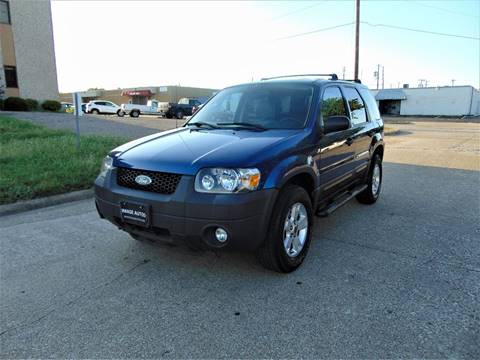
[{"x": 134, "y": 213}]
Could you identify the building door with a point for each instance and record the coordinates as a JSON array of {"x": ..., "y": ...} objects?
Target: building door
[{"x": 389, "y": 107}]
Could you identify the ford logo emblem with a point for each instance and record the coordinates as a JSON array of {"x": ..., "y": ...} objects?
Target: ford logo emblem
[{"x": 143, "y": 180}]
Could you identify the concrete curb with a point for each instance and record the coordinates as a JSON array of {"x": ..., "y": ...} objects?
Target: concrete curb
[{"x": 28, "y": 205}]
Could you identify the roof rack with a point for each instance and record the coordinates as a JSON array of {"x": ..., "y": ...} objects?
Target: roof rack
[
  {"x": 332, "y": 76},
  {"x": 354, "y": 80}
]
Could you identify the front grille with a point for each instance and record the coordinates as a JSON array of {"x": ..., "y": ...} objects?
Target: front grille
[{"x": 162, "y": 183}]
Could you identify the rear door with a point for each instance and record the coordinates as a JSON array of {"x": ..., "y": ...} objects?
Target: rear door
[
  {"x": 335, "y": 152},
  {"x": 361, "y": 130}
]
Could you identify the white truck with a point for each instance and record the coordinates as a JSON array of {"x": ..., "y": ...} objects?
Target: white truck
[{"x": 153, "y": 107}]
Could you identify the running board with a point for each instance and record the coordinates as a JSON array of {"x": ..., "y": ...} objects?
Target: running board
[{"x": 340, "y": 201}]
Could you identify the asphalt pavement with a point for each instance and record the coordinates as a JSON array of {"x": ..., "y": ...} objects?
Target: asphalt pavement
[{"x": 397, "y": 279}]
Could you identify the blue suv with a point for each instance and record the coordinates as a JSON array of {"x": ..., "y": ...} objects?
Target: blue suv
[{"x": 250, "y": 169}]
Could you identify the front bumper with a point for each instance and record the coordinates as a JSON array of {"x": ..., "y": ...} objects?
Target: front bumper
[{"x": 187, "y": 215}]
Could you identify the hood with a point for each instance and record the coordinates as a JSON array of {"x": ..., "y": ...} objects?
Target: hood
[{"x": 185, "y": 150}]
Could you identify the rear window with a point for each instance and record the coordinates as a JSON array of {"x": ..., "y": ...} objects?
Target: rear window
[
  {"x": 272, "y": 106},
  {"x": 371, "y": 103}
]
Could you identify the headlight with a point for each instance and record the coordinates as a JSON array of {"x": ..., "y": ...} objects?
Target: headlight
[
  {"x": 107, "y": 165},
  {"x": 223, "y": 180}
]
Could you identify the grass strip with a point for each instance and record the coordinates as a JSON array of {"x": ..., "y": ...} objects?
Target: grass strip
[{"x": 36, "y": 161}]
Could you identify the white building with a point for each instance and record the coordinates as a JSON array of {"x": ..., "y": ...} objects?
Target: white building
[{"x": 430, "y": 101}]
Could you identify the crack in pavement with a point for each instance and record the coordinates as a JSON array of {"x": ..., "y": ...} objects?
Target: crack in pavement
[{"x": 73, "y": 301}]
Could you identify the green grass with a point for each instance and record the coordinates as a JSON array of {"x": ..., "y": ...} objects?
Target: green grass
[{"x": 36, "y": 161}]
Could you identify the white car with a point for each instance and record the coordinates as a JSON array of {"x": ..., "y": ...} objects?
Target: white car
[{"x": 103, "y": 107}]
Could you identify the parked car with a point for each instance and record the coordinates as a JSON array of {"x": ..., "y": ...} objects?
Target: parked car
[
  {"x": 153, "y": 107},
  {"x": 103, "y": 107},
  {"x": 183, "y": 108},
  {"x": 67, "y": 107},
  {"x": 251, "y": 169}
]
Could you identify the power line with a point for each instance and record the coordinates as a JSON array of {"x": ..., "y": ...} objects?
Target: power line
[
  {"x": 421, "y": 31},
  {"x": 380, "y": 25},
  {"x": 316, "y": 31},
  {"x": 294, "y": 12},
  {"x": 443, "y": 9}
]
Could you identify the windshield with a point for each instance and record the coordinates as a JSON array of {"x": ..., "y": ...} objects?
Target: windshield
[{"x": 266, "y": 106}]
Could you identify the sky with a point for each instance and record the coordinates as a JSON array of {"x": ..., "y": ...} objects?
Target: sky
[{"x": 117, "y": 44}]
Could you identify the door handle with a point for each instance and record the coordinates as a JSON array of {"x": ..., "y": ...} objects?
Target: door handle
[{"x": 349, "y": 141}]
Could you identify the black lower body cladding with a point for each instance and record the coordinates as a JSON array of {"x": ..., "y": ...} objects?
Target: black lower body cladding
[{"x": 187, "y": 215}]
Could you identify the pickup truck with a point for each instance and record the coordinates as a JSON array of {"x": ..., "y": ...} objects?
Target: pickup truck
[
  {"x": 251, "y": 169},
  {"x": 184, "y": 107},
  {"x": 153, "y": 107}
]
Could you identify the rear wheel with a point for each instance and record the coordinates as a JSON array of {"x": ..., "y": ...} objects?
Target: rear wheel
[
  {"x": 374, "y": 183},
  {"x": 288, "y": 240},
  {"x": 120, "y": 113}
]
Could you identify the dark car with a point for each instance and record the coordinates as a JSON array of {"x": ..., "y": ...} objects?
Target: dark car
[
  {"x": 184, "y": 107},
  {"x": 250, "y": 169}
]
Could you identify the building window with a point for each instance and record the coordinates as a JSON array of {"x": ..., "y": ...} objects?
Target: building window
[
  {"x": 4, "y": 12},
  {"x": 11, "y": 76}
]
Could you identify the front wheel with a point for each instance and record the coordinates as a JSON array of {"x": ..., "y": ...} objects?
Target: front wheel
[
  {"x": 374, "y": 184},
  {"x": 288, "y": 240},
  {"x": 179, "y": 115},
  {"x": 95, "y": 112},
  {"x": 135, "y": 113},
  {"x": 120, "y": 113}
]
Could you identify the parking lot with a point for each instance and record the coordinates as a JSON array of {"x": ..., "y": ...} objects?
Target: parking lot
[{"x": 397, "y": 279}]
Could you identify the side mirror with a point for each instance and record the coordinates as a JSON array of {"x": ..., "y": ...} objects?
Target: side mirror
[{"x": 336, "y": 123}]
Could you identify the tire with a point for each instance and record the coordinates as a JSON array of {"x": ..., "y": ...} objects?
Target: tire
[
  {"x": 273, "y": 253},
  {"x": 179, "y": 114},
  {"x": 168, "y": 116},
  {"x": 120, "y": 113},
  {"x": 374, "y": 183},
  {"x": 94, "y": 111},
  {"x": 135, "y": 113}
]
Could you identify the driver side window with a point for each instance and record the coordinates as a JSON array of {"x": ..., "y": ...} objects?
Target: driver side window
[{"x": 332, "y": 103}]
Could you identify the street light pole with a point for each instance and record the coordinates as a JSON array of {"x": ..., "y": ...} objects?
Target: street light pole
[{"x": 357, "y": 36}]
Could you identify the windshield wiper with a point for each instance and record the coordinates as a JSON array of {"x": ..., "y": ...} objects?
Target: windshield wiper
[
  {"x": 201, "y": 123},
  {"x": 244, "y": 125}
]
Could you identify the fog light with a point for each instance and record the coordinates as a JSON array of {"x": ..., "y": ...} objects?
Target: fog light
[{"x": 221, "y": 235}]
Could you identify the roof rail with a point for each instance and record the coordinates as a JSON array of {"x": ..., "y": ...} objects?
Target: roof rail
[
  {"x": 332, "y": 76},
  {"x": 354, "y": 80}
]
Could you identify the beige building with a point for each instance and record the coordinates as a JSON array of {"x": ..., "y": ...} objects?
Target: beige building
[
  {"x": 27, "y": 54},
  {"x": 141, "y": 95}
]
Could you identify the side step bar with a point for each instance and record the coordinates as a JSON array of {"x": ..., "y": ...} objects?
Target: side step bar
[{"x": 340, "y": 201}]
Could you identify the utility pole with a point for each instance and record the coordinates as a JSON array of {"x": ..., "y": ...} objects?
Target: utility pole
[
  {"x": 343, "y": 73},
  {"x": 357, "y": 37},
  {"x": 377, "y": 75},
  {"x": 383, "y": 77},
  {"x": 453, "y": 82}
]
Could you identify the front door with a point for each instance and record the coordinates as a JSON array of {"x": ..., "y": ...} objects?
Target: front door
[{"x": 335, "y": 153}]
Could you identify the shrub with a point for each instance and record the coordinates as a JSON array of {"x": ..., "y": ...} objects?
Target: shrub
[
  {"x": 1, "y": 104},
  {"x": 15, "y": 104},
  {"x": 51, "y": 105},
  {"x": 32, "y": 104}
]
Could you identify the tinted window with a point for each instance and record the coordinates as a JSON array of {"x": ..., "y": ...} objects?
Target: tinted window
[
  {"x": 11, "y": 76},
  {"x": 273, "y": 106},
  {"x": 372, "y": 107},
  {"x": 357, "y": 107},
  {"x": 332, "y": 103},
  {"x": 4, "y": 13}
]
